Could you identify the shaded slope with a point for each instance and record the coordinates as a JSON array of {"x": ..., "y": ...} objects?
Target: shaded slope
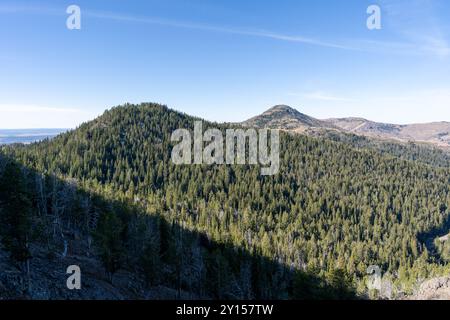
[
  {"x": 126, "y": 252},
  {"x": 332, "y": 206}
]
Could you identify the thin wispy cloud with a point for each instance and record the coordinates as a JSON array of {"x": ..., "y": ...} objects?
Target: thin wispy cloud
[
  {"x": 417, "y": 21},
  {"x": 431, "y": 42},
  {"x": 344, "y": 45},
  {"x": 405, "y": 13},
  {"x": 220, "y": 29},
  {"x": 432, "y": 46},
  {"x": 178, "y": 24}
]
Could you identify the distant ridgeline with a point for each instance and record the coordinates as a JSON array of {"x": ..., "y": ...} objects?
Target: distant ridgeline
[
  {"x": 27, "y": 136},
  {"x": 222, "y": 231}
]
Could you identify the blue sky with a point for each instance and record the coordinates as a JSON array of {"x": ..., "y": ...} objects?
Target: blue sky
[{"x": 224, "y": 60}]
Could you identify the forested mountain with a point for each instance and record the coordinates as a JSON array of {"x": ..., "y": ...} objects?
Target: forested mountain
[
  {"x": 335, "y": 208},
  {"x": 418, "y": 152}
]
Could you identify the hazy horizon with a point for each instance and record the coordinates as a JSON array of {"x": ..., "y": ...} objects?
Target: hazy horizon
[{"x": 4, "y": 129}]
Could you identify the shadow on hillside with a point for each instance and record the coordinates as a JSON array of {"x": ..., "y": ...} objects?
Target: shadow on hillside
[
  {"x": 428, "y": 238},
  {"x": 125, "y": 253}
]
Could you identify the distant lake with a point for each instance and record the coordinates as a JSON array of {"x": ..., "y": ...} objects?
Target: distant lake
[{"x": 27, "y": 136}]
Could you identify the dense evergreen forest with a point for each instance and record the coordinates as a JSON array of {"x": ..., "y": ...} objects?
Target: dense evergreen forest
[
  {"x": 420, "y": 152},
  {"x": 336, "y": 207}
]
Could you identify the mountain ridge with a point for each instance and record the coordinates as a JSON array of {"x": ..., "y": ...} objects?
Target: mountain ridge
[
  {"x": 332, "y": 210},
  {"x": 290, "y": 119}
]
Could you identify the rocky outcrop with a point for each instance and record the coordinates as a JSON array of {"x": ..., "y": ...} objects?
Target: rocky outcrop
[{"x": 434, "y": 289}]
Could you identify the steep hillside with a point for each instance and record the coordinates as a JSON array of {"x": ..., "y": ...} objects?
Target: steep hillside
[{"x": 333, "y": 210}]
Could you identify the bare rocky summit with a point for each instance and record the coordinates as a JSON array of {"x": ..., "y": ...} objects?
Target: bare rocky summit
[
  {"x": 285, "y": 118},
  {"x": 434, "y": 289}
]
